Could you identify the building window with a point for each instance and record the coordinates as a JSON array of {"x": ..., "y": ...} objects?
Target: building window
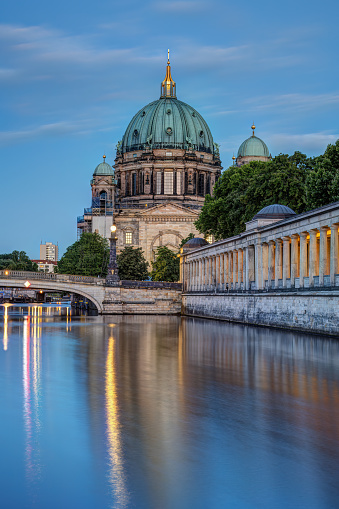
[
  {"x": 158, "y": 182},
  {"x": 178, "y": 182},
  {"x": 209, "y": 239},
  {"x": 208, "y": 184},
  {"x": 201, "y": 185},
  {"x": 128, "y": 238},
  {"x": 169, "y": 154},
  {"x": 168, "y": 182}
]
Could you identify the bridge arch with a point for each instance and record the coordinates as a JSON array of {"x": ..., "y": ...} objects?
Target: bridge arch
[{"x": 94, "y": 293}]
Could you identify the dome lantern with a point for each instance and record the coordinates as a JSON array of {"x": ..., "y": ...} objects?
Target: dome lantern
[{"x": 168, "y": 87}]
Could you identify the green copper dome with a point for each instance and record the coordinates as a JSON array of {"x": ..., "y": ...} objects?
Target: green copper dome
[
  {"x": 253, "y": 146},
  {"x": 167, "y": 123},
  {"x": 104, "y": 169}
]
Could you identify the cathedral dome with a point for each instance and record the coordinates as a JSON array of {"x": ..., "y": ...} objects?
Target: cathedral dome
[
  {"x": 103, "y": 169},
  {"x": 167, "y": 123},
  {"x": 253, "y": 147}
]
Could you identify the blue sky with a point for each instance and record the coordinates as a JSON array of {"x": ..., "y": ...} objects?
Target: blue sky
[{"x": 72, "y": 75}]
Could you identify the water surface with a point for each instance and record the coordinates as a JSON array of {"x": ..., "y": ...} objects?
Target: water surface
[{"x": 164, "y": 412}]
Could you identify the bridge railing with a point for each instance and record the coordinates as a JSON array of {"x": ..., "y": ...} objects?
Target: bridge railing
[{"x": 62, "y": 278}]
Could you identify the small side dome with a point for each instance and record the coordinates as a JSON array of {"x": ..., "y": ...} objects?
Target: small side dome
[
  {"x": 103, "y": 169},
  {"x": 195, "y": 243},
  {"x": 275, "y": 211},
  {"x": 253, "y": 147}
]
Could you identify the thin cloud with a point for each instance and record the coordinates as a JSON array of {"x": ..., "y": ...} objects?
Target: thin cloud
[
  {"x": 53, "y": 129},
  {"x": 297, "y": 101},
  {"x": 180, "y": 7},
  {"x": 311, "y": 142}
]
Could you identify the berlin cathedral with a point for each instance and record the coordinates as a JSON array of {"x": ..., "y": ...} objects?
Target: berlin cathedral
[{"x": 165, "y": 165}]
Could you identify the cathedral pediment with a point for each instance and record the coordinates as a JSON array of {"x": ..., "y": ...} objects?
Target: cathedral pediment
[{"x": 169, "y": 209}]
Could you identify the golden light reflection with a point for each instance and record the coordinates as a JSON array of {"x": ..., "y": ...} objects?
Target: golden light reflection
[
  {"x": 113, "y": 429},
  {"x": 68, "y": 319},
  {"x": 5, "y": 336},
  {"x": 27, "y": 392},
  {"x": 32, "y": 389}
]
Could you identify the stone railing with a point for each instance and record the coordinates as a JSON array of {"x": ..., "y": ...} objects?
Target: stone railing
[
  {"x": 91, "y": 280},
  {"x": 62, "y": 278},
  {"x": 150, "y": 284}
]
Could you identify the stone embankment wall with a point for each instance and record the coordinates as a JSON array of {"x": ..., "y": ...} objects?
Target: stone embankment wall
[
  {"x": 306, "y": 311},
  {"x": 143, "y": 297}
]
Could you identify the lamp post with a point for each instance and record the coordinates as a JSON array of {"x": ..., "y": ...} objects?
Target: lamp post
[{"x": 112, "y": 278}]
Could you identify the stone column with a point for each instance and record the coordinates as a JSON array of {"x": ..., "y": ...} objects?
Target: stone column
[
  {"x": 225, "y": 270},
  {"x": 192, "y": 276},
  {"x": 196, "y": 275},
  {"x": 240, "y": 264},
  {"x": 303, "y": 258},
  {"x": 258, "y": 267},
  {"x": 334, "y": 253},
  {"x": 221, "y": 274},
  {"x": 207, "y": 273},
  {"x": 230, "y": 269},
  {"x": 323, "y": 255},
  {"x": 187, "y": 276},
  {"x": 210, "y": 268},
  {"x": 264, "y": 263},
  {"x": 250, "y": 272},
  {"x": 286, "y": 261},
  {"x": 294, "y": 258},
  {"x": 314, "y": 262},
  {"x": 244, "y": 267},
  {"x": 200, "y": 275},
  {"x": 235, "y": 268},
  {"x": 278, "y": 262},
  {"x": 271, "y": 267},
  {"x": 217, "y": 271}
]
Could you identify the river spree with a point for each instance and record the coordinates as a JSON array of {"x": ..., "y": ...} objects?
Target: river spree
[{"x": 155, "y": 412}]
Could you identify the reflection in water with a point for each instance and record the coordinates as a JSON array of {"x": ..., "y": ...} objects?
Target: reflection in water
[
  {"x": 32, "y": 391},
  {"x": 5, "y": 336},
  {"x": 169, "y": 413},
  {"x": 116, "y": 473}
]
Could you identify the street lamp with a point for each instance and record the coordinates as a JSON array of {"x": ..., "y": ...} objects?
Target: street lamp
[{"x": 112, "y": 278}]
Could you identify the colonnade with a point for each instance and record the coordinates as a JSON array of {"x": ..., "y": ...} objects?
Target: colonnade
[{"x": 288, "y": 260}]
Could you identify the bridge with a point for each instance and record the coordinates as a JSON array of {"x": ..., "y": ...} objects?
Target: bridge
[{"x": 129, "y": 297}]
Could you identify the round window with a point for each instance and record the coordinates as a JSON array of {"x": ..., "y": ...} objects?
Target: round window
[
  {"x": 201, "y": 134},
  {"x": 169, "y": 131},
  {"x": 168, "y": 112}
]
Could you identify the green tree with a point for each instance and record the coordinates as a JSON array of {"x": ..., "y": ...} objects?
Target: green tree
[
  {"x": 86, "y": 257},
  {"x": 323, "y": 180},
  {"x": 17, "y": 260},
  {"x": 241, "y": 192},
  {"x": 166, "y": 266},
  {"x": 132, "y": 264}
]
